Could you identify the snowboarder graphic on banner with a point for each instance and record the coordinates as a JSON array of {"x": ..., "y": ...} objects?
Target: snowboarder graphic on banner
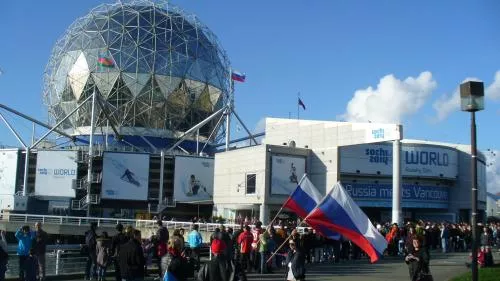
[{"x": 130, "y": 178}]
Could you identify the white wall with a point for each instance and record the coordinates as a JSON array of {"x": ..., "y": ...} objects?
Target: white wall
[
  {"x": 327, "y": 134},
  {"x": 230, "y": 175},
  {"x": 8, "y": 171}
]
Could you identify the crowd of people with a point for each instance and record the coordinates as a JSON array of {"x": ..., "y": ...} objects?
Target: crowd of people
[{"x": 235, "y": 252}]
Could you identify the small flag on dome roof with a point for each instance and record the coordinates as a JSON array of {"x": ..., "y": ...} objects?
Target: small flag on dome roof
[{"x": 105, "y": 61}]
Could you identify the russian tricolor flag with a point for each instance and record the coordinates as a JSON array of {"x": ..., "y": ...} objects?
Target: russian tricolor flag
[
  {"x": 304, "y": 199},
  {"x": 237, "y": 76},
  {"x": 337, "y": 212}
]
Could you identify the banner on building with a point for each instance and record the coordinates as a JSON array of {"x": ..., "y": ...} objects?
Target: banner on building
[
  {"x": 413, "y": 196},
  {"x": 420, "y": 161},
  {"x": 8, "y": 171},
  {"x": 55, "y": 172},
  {"x": 286, "y": 171},
  {"x": 125, "y": 176},
  {"x": 193, "y": 179}
]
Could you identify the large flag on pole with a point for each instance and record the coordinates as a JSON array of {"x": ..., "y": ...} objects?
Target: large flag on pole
[
  {"x": 337, "y": 212},
  {"x": 304, "y": 198}
]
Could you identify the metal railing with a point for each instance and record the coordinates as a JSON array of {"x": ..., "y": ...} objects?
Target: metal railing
[
  {"x": 70, "y": 220},
  {"x": 60, "y": 260},
  {"x": 82, "y": 203},
  {"x": 85, "y": 221}
]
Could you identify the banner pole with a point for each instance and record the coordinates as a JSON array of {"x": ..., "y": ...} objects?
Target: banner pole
[{"x": 284, "y": 242}]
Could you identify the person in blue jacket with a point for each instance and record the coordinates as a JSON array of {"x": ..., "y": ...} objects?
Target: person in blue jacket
[
  {"x": 195, "y": 241},
  {"x": 25, "y": 238}
]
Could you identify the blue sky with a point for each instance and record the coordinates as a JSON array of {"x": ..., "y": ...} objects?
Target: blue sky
[{"x": 326, "y": 50}]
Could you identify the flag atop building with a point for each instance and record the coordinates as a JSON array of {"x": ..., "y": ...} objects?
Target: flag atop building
[
  {"x": 337, "y": 212},
  {"x": 302, "y": 104},
  {"x": 238, "y": 76}
]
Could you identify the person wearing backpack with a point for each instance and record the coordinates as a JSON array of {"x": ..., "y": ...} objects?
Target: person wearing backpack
[
  {"x": 4, "y": 256},
  {"x": 25, "y": 238},
  {"x": 91, "y": 244}
]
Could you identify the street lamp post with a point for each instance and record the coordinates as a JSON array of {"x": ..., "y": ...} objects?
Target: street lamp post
[{"x": 472, "y": 100}]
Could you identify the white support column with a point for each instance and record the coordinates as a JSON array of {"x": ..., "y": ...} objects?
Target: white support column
[
  {"x": 228, "y": 127},
  {"x": 26, "y": 169},
  {"x": 396, "y": 182},
  {"x": 91, "y": 153},
  {"x": 264, "y": 214},
  {"x": 162, "y": 167},
  {"x": 198, "y": 142},
  {"x": 106, "y": 136}
]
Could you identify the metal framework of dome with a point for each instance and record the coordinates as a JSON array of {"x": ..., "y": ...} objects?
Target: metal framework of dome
[{"x": 156, "y": 70}]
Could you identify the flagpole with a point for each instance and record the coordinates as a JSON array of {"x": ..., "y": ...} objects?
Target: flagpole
[
  {"x": 286, "y": 240},
  {"x": 298, "y": 109},
  {"x": 281, "y": 209}
]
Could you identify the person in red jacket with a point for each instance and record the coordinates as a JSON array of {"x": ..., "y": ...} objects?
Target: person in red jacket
[{"x": 245, "y": 240}]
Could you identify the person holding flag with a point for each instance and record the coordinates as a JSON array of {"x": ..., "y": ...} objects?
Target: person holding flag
[{"x": 302, "y": 201}]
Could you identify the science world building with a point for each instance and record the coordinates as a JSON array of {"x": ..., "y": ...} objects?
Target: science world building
[{"x": 141, "y": 91}]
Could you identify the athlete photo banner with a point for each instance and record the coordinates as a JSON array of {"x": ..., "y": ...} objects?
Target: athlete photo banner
[{"x": 125, "y": 176}]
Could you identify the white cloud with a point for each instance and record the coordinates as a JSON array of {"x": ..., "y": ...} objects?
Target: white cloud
[
  {"x": 447, "y": 104},
  {"x": 493, "y": 170},
  {"x": 391, "y": 100},
  {"x": 493, "y": 90}
]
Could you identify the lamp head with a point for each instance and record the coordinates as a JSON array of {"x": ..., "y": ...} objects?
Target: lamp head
[{"x": 472, "y": 96}]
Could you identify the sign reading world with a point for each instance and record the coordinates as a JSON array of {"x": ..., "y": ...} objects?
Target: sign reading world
[
  {"x": 380, "y": 195},
  {"x": 425, "y": 161}
]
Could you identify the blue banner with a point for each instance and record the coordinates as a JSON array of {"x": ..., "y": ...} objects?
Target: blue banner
[{"x": 413, "y": 196}]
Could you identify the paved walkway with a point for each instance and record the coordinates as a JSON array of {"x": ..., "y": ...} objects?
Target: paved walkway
[{"x": 443, "y": 267}]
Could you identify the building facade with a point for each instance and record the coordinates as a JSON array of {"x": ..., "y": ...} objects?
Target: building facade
[{"x": 435, "y": 185}]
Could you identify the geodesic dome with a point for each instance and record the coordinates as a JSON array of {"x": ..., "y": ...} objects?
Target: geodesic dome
[{"x": 156, "y": 70}]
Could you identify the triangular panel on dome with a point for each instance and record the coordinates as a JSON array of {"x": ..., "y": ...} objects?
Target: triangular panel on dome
[
  {"x": 78, "y": 75},
  {"x": 68, "y": 106},
  {"x": 96, "y": 41},
  {"x": 196, "y": 71},
  {"x": 204, "y": 103},
  {"x": 60, "y": 77},
  {"x": 179, "y": 97},
  {"x": 105, "y": 82},
  {"x": 194, "y": 88},
  {"x": 135, "y": 81},
  {"x": 162, "y": 63},
  {"x": 167, "y": 84},
  {"x": 215, "y": 94}
]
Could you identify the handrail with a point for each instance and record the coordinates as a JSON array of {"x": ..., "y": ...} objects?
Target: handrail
[
  {"x": 139, "y": 223},
  {"x": 72, "y": 220}
]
